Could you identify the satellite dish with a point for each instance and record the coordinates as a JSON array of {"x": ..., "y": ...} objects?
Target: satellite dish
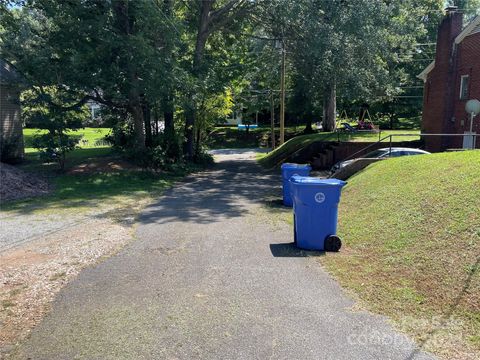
[{"x": 473, "y": 107}]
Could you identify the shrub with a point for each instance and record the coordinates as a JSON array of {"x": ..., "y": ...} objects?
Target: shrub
[{"x": 53, "y": 146}]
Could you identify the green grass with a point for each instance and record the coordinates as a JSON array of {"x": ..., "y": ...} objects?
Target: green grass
[
  {"x": 86, "y": 191},
  {"x": 90, "y": 137},
  {"x": 127, "y": 189},
  {"x": 280, "y": 154},
  {"x": 412, "y": 246},
  {"x": 80, "y": 155}
]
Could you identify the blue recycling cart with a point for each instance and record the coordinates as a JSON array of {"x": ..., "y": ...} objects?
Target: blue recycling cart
[
  {"x": 315, "y": 208},
  {"x": 288, "y": 170}
]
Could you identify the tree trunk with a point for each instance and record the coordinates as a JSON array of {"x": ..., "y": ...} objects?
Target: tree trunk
[
  {"x": 202, "y": 36},
  {"x": 308, "y": 127},
  {"x": 136, "y": 111},
  {"x": 198, "y": 142},
  {"x": 124, "y": 19},
  {"x": 169, "y": 125},
  {"x": 168, "y": 115},
  {"x": 148, "y": 125},
  {"x": 329, "y": 107},
  {"x": 392, "y": 120},
  {"x": 155, "y": 119},
  {"x": 189, "y": 124},
  {"x": 167, "y": 101}
]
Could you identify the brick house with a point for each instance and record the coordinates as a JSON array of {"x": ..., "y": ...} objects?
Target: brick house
[
  {"x": 449, "y": 81},
  {"x": 11, "y": 136}
]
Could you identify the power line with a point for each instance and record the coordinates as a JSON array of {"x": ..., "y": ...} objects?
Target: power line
[{"x": 168, "y": 20}]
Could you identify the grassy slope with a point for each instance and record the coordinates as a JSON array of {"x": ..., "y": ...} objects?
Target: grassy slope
[
  {"x": 277, "y": 156},
  {"x": 411, "y": 230}
]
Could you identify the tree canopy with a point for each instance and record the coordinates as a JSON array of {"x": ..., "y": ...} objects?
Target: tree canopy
[{"x": 191, "y": 63}]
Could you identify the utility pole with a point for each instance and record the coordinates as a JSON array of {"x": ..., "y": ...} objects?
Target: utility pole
[
  {"x": 282, "y": 96},
  {"x": 272, "y": 118}
]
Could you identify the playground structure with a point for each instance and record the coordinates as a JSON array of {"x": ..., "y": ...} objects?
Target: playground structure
[{"x": 364, "y": 122}]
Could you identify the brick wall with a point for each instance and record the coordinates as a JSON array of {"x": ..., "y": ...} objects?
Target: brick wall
[
  {"x": 10, "y": 123},
  {"x": 443, "y": 110},
  {"x": 468, "y": 63},
  {"x": 438, "y": 90}
]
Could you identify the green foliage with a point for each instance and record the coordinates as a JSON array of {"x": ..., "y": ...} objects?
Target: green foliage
[
  {"x": 52, "y": 109},
  {"x": 121, "y": 136},
  {"x": 54, "y": 146},
  {"x": 194, "y": 62},
  {"x": 166, "y": 152}
]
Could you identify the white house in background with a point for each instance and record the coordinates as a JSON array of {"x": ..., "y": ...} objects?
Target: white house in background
[{"x": 95, "y": 109}]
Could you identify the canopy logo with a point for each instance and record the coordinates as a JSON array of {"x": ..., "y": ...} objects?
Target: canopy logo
[{"x": 319, "y": 197}]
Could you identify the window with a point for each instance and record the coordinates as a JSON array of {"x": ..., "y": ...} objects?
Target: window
[{"x": 464, "y": 80}]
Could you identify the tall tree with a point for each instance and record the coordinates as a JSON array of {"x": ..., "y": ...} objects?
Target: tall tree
[
  {"x": 106, "y": 51},
  {"x": 351, "y": 49},
  {"x": 211, "y": 16}
]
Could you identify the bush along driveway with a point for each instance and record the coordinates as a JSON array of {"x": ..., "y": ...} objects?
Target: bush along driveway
[{"x": 212, "y": 275}]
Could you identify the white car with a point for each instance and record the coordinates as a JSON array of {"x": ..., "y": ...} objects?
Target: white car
[{"x": 382, "y": 154}]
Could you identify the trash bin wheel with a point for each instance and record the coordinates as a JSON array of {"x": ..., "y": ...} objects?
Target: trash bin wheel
[{"x": 332, "y": 243}]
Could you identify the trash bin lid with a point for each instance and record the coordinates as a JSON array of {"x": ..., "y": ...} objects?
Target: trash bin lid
[
  {"x": 295, "y": 166},
  {"x": 308, "y": 180}
]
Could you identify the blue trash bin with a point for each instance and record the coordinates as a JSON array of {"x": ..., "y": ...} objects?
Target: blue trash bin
[
  {"x": 288, "y": 170},
  {"x": 315, "y": 208}
]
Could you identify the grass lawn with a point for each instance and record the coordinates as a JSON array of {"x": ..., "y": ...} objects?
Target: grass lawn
[
  {"x": 278, "y": 156},
  {"x": 413, "y": 246},
  {"x": 115, "y": 192},
  {"x": 91, "y": 137},
  {"x": 127, "y": 187},
  {"x": 411, "y": 233}
]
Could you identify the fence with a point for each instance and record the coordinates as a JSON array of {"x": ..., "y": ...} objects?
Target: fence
[{"x": 389, "y": 139}]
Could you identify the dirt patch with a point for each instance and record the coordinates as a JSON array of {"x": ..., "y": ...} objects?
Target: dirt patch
[
  {"x": 17, "y": 184},
  {"x": 103, "y": 165},
  {"x": 31, "y": 276}
]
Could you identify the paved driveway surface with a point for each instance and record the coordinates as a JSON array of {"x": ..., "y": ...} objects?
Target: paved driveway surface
[{"x": 212, "y": 276}]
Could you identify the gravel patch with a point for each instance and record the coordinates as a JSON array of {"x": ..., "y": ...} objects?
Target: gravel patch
[{"x": 31, "y": 276}]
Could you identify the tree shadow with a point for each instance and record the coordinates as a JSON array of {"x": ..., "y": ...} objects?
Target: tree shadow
[
  {"x": 290, "y": 250},
  {"x": 226, "y": 191}
]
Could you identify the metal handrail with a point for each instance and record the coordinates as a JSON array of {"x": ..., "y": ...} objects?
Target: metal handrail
[
  {"x": 367, "y": 147},
  {"x": 392, "y": 135}
]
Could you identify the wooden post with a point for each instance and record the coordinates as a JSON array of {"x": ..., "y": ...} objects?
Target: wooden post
[
  {"x": 272, "y": 119},
  {"x": 282, "y": 97}
]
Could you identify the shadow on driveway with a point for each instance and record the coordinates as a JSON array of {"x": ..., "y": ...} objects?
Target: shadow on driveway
[
  {"x": 215, "y": 195},
  {"x": 290, "y": 250}
]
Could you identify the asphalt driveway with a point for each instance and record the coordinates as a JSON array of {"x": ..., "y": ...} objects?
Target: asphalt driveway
[{"x": 212, "y": 276}]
